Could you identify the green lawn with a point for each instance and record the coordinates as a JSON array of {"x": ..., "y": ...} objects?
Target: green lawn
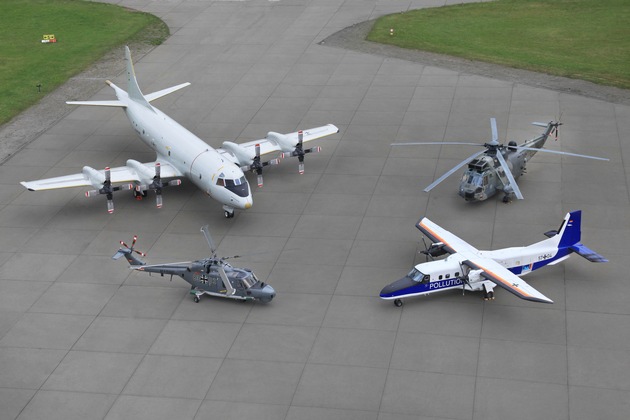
[
  {"x": 582, "y": 39},
  {"x": 84, "y": 32}
]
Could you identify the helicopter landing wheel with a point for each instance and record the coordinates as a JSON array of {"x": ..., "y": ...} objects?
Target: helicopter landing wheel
[
  {"x": 506, "y": 199},
  {"x": 196, "y": 299},
  {"x": 398, "y": 303}
]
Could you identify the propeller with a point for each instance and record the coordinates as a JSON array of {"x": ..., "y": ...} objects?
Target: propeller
[
  {"x": 464, "y": 278},
  {"x": 300, "y": 151},
  {"x": 157, "y": 185},
  {"x": 432, "y": 251},
  {"x": 133, "y": 243},
  {"x": 108, "y": 190},
  {"x": 257, "y": 166}
]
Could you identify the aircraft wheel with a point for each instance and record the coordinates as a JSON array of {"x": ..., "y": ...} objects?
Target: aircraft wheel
[
  {"x": 398, "y": 303},
  {"x": 196, "y": 299},
  {"x": 228, "y": 214},
  {"x": 490, "y": 295}
]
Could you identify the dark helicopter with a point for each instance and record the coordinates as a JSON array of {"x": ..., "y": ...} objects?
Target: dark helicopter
[
  {"x": 497, "y": 167},
  {"x": 210, "y": 276}
]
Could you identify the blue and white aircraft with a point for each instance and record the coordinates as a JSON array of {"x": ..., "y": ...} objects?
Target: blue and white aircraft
[
  {"x": 179, "y": 153},
  {"x": 470, "y": 269}
]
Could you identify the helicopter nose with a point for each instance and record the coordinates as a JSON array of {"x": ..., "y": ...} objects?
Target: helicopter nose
[{"x": 268, "y": 293}]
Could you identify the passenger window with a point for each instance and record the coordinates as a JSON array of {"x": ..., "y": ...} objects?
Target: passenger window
[
  {"x": 457, "y": 274},
  {"x": 440, "y": 278},
  {"x": 448, "y": 276}
]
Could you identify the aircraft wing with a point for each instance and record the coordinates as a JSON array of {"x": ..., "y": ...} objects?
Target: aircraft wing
[
  {"x": 452, "y": 242},
  {"x": 489, "y": 268},
  {"x": 274, "y": 143},
  {"x": 503, "y": 277},
  {"x": 118, "y": 175}
]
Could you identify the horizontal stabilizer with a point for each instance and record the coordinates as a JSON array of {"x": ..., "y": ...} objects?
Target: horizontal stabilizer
[
  {"x": 587, "y": 253},
  {"x": 156, "y": 95},
  {"x": 98, "y": 103}
]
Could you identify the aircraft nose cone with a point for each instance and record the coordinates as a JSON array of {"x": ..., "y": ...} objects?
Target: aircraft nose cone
[
  {"x": 393, "y": 289},
  {"x": 248, "y": 205}
]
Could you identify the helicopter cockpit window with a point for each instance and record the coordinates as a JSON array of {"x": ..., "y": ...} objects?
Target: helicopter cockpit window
[{"x": 415, "y": 275}]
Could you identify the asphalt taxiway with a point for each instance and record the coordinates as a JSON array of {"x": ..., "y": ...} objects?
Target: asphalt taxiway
[{"x": 83, "y": 337}]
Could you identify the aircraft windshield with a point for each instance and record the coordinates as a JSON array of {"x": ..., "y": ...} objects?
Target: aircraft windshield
[
  {"x": 475, "y": 180},
  {"x": 415, "y": 275},
  {"x": 238, "y": 186}
]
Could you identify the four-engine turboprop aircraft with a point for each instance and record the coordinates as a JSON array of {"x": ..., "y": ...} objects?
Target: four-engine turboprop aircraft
[
  {"x": 468, "y": 268},
  {"x": 219, "y": 173}
]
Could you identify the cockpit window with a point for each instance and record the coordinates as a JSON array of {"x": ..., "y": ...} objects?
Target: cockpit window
[
  {"x": 415, "y": 275},
  {"x": 235, "y": 182},
  {"x": 221, "y": 182}
]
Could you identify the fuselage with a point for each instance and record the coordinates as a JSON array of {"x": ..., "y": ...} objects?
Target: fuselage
[
  {"x": 192, "y": 157},
  {"x": 484, "y": 176}
]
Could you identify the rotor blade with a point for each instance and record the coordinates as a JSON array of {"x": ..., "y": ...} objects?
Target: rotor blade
[
  {"x": 495, "y": 132},
  {"x": 206, "y": 234},
  {"x": 226, "y": 281},
  {"x": 510, "y": 177},
  {"x": 449, "y": 173},
  {"x": 562, "y": 153},
  {"x": 437, "y": 142}
]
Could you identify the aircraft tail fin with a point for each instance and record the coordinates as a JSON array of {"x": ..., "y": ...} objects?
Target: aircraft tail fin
[
  {"x": 570, "y": 234},
  {"x": 133, "y": 90}
]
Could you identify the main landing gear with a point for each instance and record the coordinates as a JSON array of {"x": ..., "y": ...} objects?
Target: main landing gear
[
  {"x": 398, "y": 303},
  {"x": 488, "y": 296}
]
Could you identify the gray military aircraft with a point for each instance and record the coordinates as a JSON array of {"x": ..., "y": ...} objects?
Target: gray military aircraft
[
  {"x": 497, "y": 167},
  {"x": 211, "y": 276},
  {"x": 180, "y": 153}
]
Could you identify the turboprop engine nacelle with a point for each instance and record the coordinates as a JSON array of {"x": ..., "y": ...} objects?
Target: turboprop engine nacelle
[
  {"x": 243, "y": 156},
  {"x": 145, "y": 173},
  {"x": 96, "y": 178},
  {"x": 285, "y": 143}
]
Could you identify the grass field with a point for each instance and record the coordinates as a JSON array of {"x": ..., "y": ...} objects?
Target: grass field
[
  {"x": 582, "y": 39},
  {"x": 84, "y": 32}
]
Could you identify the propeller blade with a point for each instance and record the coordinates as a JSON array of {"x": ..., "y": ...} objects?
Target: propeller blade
[
  {"x": 158, "y": 200},
  {"x": 301, "y": 168},
  {"x": 258, "y": 150},
  {"x": 300, "y": 138},
  {"x": 453, "y": 170},
  {"x": 157, "y": 170},
  {"x": 495, "y": 132},
  {"x": 562, "y": 153},
  {"x": 91, "y": 193},
  {"x": 510, "y": 177},
  {"x": 108, "y": 174},
  {"x": 110, "y": 206},
  {"x": 260, "y": 180}
]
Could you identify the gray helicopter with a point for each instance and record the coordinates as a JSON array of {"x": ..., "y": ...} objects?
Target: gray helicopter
[
  {"x": 497, "y": 167},
  {"x": 210, "y": 276}
]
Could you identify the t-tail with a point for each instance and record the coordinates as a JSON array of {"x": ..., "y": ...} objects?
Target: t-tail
[
  {"x": 569, "y": 235},
  {"x": 128, "y": 251}
]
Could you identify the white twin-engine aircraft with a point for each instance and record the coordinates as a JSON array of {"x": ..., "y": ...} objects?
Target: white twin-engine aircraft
[
  {"x": 219, "y": 173},
  {"x": 468, "y": 268}
]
